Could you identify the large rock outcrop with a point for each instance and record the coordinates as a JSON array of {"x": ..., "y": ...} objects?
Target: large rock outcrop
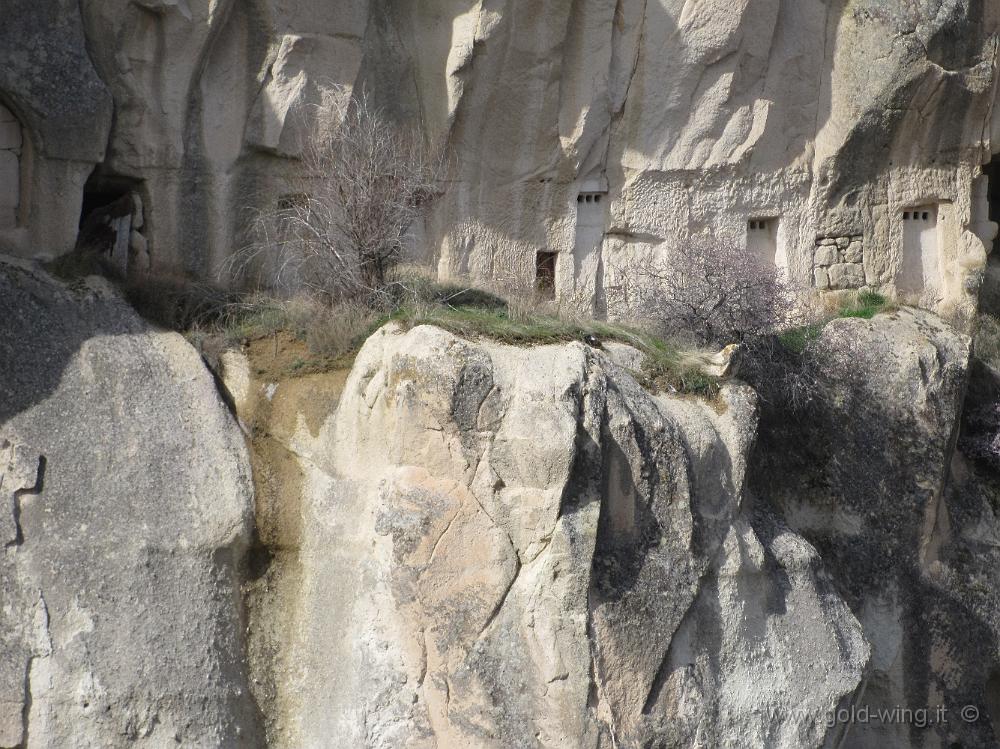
[
  {"x": 473, "y": 544},
  {"x": 126, "y": 509},
  {"x": 904, "y": 525},
  {"x": 522, "y": 547}
]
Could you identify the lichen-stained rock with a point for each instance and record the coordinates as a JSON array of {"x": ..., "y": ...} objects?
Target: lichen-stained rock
[
  {"x": 873, "y": 482},
  {"x": 524, "y": 548},
  {"x": 62, "y": 114},
  {"x": 49, "y": 79},
  {"x": 125, "y": 508}
]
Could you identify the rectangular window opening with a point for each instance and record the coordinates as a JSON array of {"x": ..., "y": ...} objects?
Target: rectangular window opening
[
  {"x": 545, "y": 273},
  {"x": 295, "y": 201},
  {"x": 761, "y": 224},
  {"x": 762, "y": 241}
]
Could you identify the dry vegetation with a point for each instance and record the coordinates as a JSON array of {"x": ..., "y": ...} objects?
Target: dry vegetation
[
  {"x": 712, "y": 292},
  {"x": 324, "y": 266},
  {"x": 339, "y": 230}
]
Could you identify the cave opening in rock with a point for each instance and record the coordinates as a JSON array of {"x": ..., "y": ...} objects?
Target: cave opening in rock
[
  {"x": 110, "y": 216},
  {"x": 545, "y": 273},
  {"x": 992, "y": 172},
  {"x": 104, "y": 190}
]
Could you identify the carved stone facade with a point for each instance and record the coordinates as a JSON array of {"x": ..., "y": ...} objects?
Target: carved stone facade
[{"x": 767, "y": 113}]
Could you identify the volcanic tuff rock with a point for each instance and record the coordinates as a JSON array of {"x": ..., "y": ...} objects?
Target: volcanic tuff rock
[
  {"x": 601, "y": 130},
  {"x": 127, "y": 507},
  {"x": 522, "y": 547},
  {"x": 901, "y": 520},
  {"x": 483, "y": 545}
]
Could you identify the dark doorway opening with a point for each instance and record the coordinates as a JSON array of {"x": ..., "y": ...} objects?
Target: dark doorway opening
[
  {"x": 104, "y": 190},
  {"x": 992, "y": 172},
  {"x": 110, "y": 217},
  {"x": 545, "y": 273},
  {"x": 989, "y": 293}
]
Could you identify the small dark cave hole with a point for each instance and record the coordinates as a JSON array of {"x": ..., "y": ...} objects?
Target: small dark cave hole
[
  {"x": 109, "y": 214},
  {"x": 103, "y": 191},
  {"x": 989, "y": 295},
  {"x": 992, "y": 172},
  {"x": 258, "y": 559}
]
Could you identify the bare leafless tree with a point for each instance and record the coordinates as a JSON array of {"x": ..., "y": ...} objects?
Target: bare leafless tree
[
  {"x": 713, "y": 291},
  {"x": 340, "y": 230}
]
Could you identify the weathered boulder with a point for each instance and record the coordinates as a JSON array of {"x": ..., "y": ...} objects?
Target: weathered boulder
[
  {"x": 127, "y": 507},
  {"x": 903, "y": 526},
  {"x": 522, "y": 547},
  {"x": 490, "y": 546}
]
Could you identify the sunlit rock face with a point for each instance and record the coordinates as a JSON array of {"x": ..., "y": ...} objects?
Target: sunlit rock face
[
  {"x": 524, "y": 548},
  {"x": 126, "y": 506},
  {"x": 599, "y": 131},
  {"x": 794, "y": 127}
]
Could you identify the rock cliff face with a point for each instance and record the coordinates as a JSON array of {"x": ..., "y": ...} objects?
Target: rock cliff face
[
  {"x": 472, "y": 544},
  {"x": 844, "y": 140},
  {"x": 127, "y": 508},
  {"x": 509, "y": 547},
  {"x": 525, "y": 548},
  {"x": 876, "y": 485}
]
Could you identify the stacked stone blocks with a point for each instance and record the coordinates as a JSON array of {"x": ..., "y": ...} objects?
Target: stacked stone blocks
[{"x": 838, "y": 262}]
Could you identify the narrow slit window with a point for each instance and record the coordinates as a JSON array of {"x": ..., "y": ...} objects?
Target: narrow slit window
[
  {"x": 296, "y": 201},
  {"x": 545, "y": 273}
]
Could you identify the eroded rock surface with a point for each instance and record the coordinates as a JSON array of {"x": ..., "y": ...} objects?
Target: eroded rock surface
[
  {"x": 487, "y": 546},
  {"x": 905, "y": 525},
  {"x": 523, "y": 548},
  {"x": 601, "y": 131},
  {"x": 125, "y": 509}
]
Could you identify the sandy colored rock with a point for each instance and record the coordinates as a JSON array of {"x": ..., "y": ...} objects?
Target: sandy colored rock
[
  {"x": 821, "y": 278},
  {"x": 846, "y": 276},
  {"x": 826, "y": 255},
  {"x": 126, "y": 511},
  {"x": 538, "y": 535},
  {"x": 819, "y": 119}
]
